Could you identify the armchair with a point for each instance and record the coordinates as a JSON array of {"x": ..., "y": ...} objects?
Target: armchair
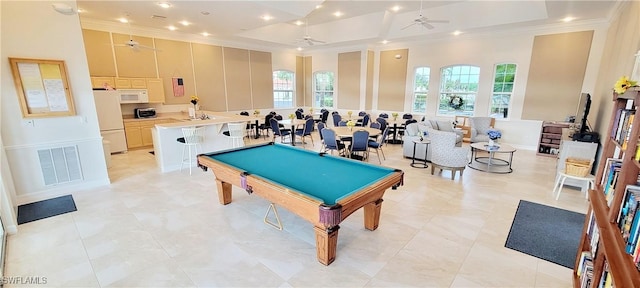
[
  {"x": 445, "y": 154},
  {"x": 479, "y": 127}
]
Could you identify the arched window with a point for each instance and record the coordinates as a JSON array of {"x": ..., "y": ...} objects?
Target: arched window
[
  {"x": 323, "y": 89},
  {"x": 458, "y": 90},
  {"x": 420, "y": 89},
  {"x": 503, "y": 79},
  {"x": 283, "y": 89}
]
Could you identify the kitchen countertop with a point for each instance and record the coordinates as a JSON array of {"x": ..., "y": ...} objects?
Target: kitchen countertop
[{"x": 175, "y": 116}]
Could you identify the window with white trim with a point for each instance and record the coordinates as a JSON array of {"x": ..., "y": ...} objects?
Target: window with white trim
[
  {"x": 504, "y": 77},
  {"x": 420, "y": 89},
  {"x": 458, "y": 90},
  {"x": 323, "y": 89},
  {"x": 283, "y": 89}
]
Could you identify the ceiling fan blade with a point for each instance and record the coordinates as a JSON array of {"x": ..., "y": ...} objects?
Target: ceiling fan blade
[
  {"x": 309, "y": 42},
  {"x": 405, "y": 27},
  {"x": 427, "y": 25},
  {"x": 437, "y": 21},
  {"x": 316, "y": 41}
]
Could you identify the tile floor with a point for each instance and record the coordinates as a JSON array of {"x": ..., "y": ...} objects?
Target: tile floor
[{"x": 149, "y": 229}]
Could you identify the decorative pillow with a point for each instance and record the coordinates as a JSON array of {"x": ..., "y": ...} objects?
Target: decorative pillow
[
  {"x": 424, "y": 127},
  {"x": 445, "y": 126}
]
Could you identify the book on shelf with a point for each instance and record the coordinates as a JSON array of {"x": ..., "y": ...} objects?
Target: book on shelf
[
  {"x": 637, "y": 156},
  {"x": 610, "y": 180},
  {"x": 585, "y": 256}
]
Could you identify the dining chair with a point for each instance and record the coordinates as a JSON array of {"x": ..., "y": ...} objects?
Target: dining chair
[
  {"x": 377, "y": 143},
  {"x": 192, "y": 137},
  {"x": 407, "y": 116},
  {"x": 264, "y": 127},
  {"x": 336, "y": 118},
  {"x": 331, "y": 143},
  {"x": 299, "y": 114},
  {"x": 250, "y": 126},
  {"x": 359, "y": 148},
  {"x": 236, "y": 134},
  {"x": 383, "y": 115},
  {"x": 364, "y": 121},
  {"x": 320, "y": 127},
  {"x": 275, "y": 129},
  {"x": 375, "y": 124},
  {"x": 306, "y": 131}
]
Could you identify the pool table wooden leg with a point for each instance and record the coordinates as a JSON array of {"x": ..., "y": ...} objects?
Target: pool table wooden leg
[
  {"x": 326, "y": 243},
  {"x": 372, "y": 214},
  {"x": 224, "y": 192}
]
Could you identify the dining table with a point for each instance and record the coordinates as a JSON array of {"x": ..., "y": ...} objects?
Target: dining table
[
  {"x": 395, "y": 125},
  {"x": 293, "y": 123},
  {"x": 256, "y": 123},
  {"x": 346, "y": 131}
]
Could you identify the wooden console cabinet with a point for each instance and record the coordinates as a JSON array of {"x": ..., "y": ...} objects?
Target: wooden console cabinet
[{"x": 551, "y": 138}]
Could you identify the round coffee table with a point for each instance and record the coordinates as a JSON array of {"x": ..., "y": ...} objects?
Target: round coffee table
[{"x": 491, "y": 163}]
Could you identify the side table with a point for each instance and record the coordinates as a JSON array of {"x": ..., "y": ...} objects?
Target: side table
[{"x": 422, "y": 164}]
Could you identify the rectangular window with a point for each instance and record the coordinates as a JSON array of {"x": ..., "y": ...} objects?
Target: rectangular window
[
  {"x": 458, "y": 90},
  {"x": 420, "y": 89},
  {"x": 323, "y": 89},
  {"x": 505, "y": 76},
  {"x": 283, "y": 89}
]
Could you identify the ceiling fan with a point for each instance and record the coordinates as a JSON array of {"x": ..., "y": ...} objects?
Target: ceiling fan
[
  {"x": 134, "y": 45},
  {"x": 424, "y": 21},
  {"x": 308, "y": 39}
]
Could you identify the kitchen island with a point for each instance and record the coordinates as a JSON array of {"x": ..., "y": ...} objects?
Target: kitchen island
[{"x": 168, "y": 151}]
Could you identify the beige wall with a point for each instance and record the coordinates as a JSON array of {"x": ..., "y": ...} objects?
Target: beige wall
[
  {"x": 261, "y": 79},
  {"x": 209, "y": 77},
  {"x": 174, "y": 60},
  {"x": 392, "y": 79},
  {"x": 558, "y": 65},
  {"x": 348, "y": 80},
  {"x": 623, "y": 42},
  {"x": 237, "y": 70},
  {"x": 300, "y": 82},
  {"x": 134, "y": 63},
  {"x": 99, "y": 53},
  {"x": 368, "y": 99}
]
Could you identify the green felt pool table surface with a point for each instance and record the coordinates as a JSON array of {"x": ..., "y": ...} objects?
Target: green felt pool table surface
[{"x": 324, "y": 177}]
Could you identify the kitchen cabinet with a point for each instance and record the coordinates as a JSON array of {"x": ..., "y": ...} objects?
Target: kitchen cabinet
[
  {"x": 138, "y": 132},
  {"x": 155, "y": 90},
  {"x": 99, "y": 82},
  {"x": 131, "y": 83}
]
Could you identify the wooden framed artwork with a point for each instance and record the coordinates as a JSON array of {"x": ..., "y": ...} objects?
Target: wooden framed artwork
[{"x": 43, "y": 87}]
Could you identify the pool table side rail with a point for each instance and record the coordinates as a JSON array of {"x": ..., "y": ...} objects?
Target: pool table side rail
[
  {"x": 370, "y": 194},
  {"x": 298, "y": 203}
]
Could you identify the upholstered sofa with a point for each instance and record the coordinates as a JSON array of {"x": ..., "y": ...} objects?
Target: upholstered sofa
[{"x": 413, "y": 131}]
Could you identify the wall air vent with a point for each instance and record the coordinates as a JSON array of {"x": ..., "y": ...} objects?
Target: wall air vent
[
  {"x": 158, "y": 17},
  {"x": 60, "y": 165}
]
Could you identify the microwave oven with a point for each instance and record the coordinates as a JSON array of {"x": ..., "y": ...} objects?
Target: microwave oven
[
  {"x": 133, "y": 96},
  {"x": 144, "y": 112}
]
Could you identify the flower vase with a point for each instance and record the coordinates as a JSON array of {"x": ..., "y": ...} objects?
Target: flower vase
[
  {"x": 195, "y": 110},
  {"x": 492, "y": 143}
]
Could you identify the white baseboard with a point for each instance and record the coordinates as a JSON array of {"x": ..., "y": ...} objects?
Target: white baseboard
[{"x": 58, "y": 191}]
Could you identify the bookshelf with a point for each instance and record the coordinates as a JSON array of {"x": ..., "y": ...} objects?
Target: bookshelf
[{"x": 602, "y": 237}]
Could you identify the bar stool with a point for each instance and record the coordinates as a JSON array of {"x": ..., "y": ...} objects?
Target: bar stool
[
  {"x": 236, "y": 134},
  {"x": 192, "y": 137},
  {"x": 561, "y": 177}
]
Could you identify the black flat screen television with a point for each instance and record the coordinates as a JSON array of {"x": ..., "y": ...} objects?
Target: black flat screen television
[{"x": 583, "y": 112}]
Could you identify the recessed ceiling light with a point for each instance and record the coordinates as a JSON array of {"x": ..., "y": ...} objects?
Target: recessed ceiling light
[
  {"x": 385, "y": 41},
  {"x": 568, "y": 19},
  {"x": 457, "y": 32},
  {"x": 205, "y": 13},
  {"x": 185, "y": 23},
  {"x": 298, "y": 22},
  {"x": 318, "y": 6},
  {"x": 172, "y": 28},
  {"x": 123, "y": 20},
  {"x": 266, "y": 17},
  {"x": 337, "y": 14},
  {"x": 164, "y": 5},
  {"x": 205, "y": 34},
  {"x": 63, "y": 8},
  {"x": 395, "y": 8},
  {"x": 80, "y": 10},
  {"x": 299, "y": 48}
]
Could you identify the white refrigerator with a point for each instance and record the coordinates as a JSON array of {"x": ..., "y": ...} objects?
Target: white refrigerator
[{"x": 110, "y": 119}]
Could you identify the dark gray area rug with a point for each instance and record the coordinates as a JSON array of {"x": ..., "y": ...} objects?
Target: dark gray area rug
[
  {"x": 45, "y": 209},
  {"x": 546, "y": 232}
]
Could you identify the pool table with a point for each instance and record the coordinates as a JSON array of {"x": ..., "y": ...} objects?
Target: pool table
[{"x": 321, "y": 188}]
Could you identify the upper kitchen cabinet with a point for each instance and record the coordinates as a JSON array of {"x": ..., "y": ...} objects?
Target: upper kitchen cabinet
[
  {"x": 131, "y": 83},
  {"x": 135, "y": 62},
  {"x": 155, "y": 90},
  {"x": 99, "y": 54},
  {"x": 102, "y": 82},
  {"x": 175, "y": 62}
]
